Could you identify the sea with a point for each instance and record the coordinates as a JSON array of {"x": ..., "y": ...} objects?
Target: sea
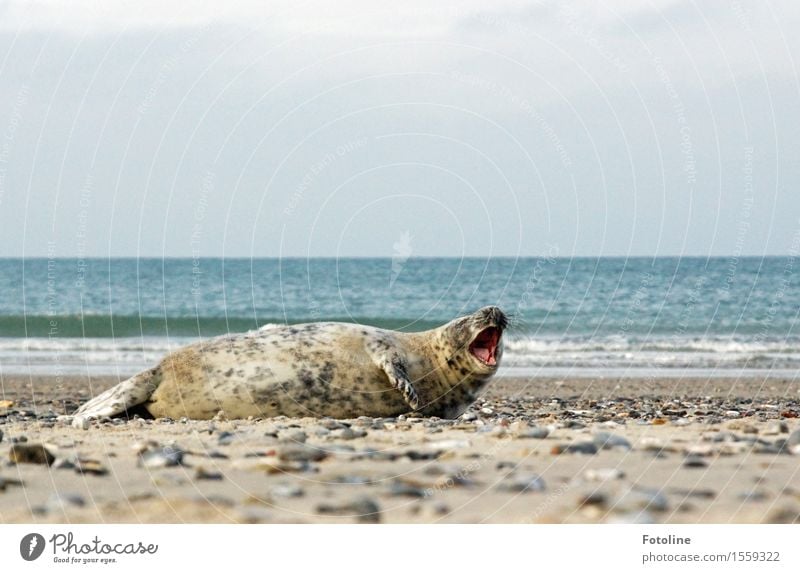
[{"x": 593, "y": 317}]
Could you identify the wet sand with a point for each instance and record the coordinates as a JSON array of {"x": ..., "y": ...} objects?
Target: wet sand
[{"x": 530, "y": 451}]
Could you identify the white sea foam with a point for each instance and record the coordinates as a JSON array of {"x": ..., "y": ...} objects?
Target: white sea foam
[{"x": 530, "y": 354}]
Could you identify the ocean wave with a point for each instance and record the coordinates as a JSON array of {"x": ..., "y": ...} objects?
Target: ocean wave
[
  {"x": 130, "y": 354},
  {"x": 126, "y": 326},
  {"x": 654, "y": 352}
]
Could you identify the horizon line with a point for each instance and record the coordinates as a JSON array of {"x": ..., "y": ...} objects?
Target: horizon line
[{"x": 388, "y": 257}]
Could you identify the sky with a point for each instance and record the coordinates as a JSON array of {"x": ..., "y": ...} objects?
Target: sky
[{"x": 357, "y": 128}]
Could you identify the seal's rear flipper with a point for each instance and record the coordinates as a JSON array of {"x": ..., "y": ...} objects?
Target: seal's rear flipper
[{"x": 119, "y": 399}]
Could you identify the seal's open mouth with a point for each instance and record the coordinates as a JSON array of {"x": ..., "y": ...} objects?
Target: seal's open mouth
[{"x": 484, "y": 346}]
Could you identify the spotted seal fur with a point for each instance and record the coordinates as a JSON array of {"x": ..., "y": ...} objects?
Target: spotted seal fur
[{"x": 317, "y": 369}]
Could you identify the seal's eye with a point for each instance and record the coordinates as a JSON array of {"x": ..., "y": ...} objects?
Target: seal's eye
[{"x": 484, "y": 347}]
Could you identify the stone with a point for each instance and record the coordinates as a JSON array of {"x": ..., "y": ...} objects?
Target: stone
[
  {"x": 61, "y": 502},
  {"x": 5, "y": 482},
  {"x": 287, "y": 490},
  {"x": 519, "y": 482},
  {"x": 694, "y": 461},
  {"x": 641, "y": 498},
  {"x": 168, "y": 456},
  {"x": 609, "y": 441},
  {"x": 30, "y": 454},
  {"x": 202, "y": 473},
  {"x": 364, "y": 510},
  {"x": 793, "y": 443},
  {"x": 89, "y": 467},
  {"x": 604, "y": 474},
  {"x": 294, "y": 435},
  {"x": 576, "y": 448},
  {"x": 301, "y": 453}
]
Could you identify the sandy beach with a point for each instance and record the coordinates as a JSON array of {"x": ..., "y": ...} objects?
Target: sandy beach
[{"x": 530, "y": 451}]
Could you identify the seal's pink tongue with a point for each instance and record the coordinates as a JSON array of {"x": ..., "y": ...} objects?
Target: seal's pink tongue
[
  {"x": 485, "y": 345},
  {"x": 484, "y": 354}
]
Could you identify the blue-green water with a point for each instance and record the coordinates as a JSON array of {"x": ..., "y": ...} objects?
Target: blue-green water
[{"x": 114, "y": 315}]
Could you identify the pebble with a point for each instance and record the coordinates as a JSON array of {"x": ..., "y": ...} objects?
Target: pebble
[
  {"x": 793, "y": 443},
  {"x": 604, "y": 474},
  {"x": 165, "y": 457},
  {"x": 225, "y": 438},
  {"x": 348, "y": 433},
  {"x": 639, "y": 498},
  {"x": 405, "y": 488},
  {"x": 694, "y": 461},
  {"x": 140, "y": 447},
  {"x": 61, "y": 502},
  {"x": 701, "y": 450},
  {"x": 277, "y": 466},
  {"x": 30, "y": 454},
  {"x": 498, "y": 432},
  {"x": 454, "y": 479},
  {"x": 449, "y": 444},
  {"x": 89, "y": 467},
  {"x": 779, "y": 447},
  {"x": 578, "y": 448},
  {"x": 754, "y": 495},
  {"x": 634, "y": 517},
  {"x": 522, "y": 482},
  {"x": 1, "y": 435},
  {"x": 536, "y": 433},
  {"x": 785, "y": 515},
  {"x": 301, "y": 453},
  {"x": 776, "y": 428},
  {"x": 287, "y": 490},
  {"x": 64, "y": 463},
  {"x": 596, "y": 499},
  {"x": 417, "y": 455},
  {"x": 202, "y": 473},
  {"x": 436, "y": 509},
  {"x": 465, "y": 427},
  {"x": 293, "y": 435},
  {"x": 351, "y": 479},
  {"x": 331, "y": 424},
  {"x": 718, "y": 437},
  {"x": 609, "y": 441},
  {"x": 380, "y": 455},
  {"x": 523, "y": 431},
  {"x": 469, "y": 416},
  {"x": 364, "y": 509},
  {"x": 5, "y": 482},
  {"x": 698, "y": 493}
]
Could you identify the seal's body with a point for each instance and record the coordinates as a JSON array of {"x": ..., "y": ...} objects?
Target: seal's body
[{"x": 318, "y": 369}]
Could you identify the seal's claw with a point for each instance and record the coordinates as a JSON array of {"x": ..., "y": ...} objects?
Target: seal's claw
[{"x": 397, "y": 371}]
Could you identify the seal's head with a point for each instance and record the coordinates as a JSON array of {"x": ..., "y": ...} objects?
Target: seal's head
[{"x": 478, "y": 339}]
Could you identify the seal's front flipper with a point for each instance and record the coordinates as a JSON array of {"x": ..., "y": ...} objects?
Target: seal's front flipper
[
  {"x": 395, "y": 368},
  {"x": 119, "y": 399}
]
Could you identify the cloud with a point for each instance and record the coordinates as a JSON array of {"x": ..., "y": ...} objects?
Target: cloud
[{"x": 414, "y": 18}]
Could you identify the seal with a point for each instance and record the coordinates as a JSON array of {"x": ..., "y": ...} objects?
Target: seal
[{"x": 320, "y": 369}]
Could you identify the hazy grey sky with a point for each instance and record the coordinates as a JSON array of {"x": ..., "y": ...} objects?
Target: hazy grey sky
[{"x": 498, "y": 127}]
